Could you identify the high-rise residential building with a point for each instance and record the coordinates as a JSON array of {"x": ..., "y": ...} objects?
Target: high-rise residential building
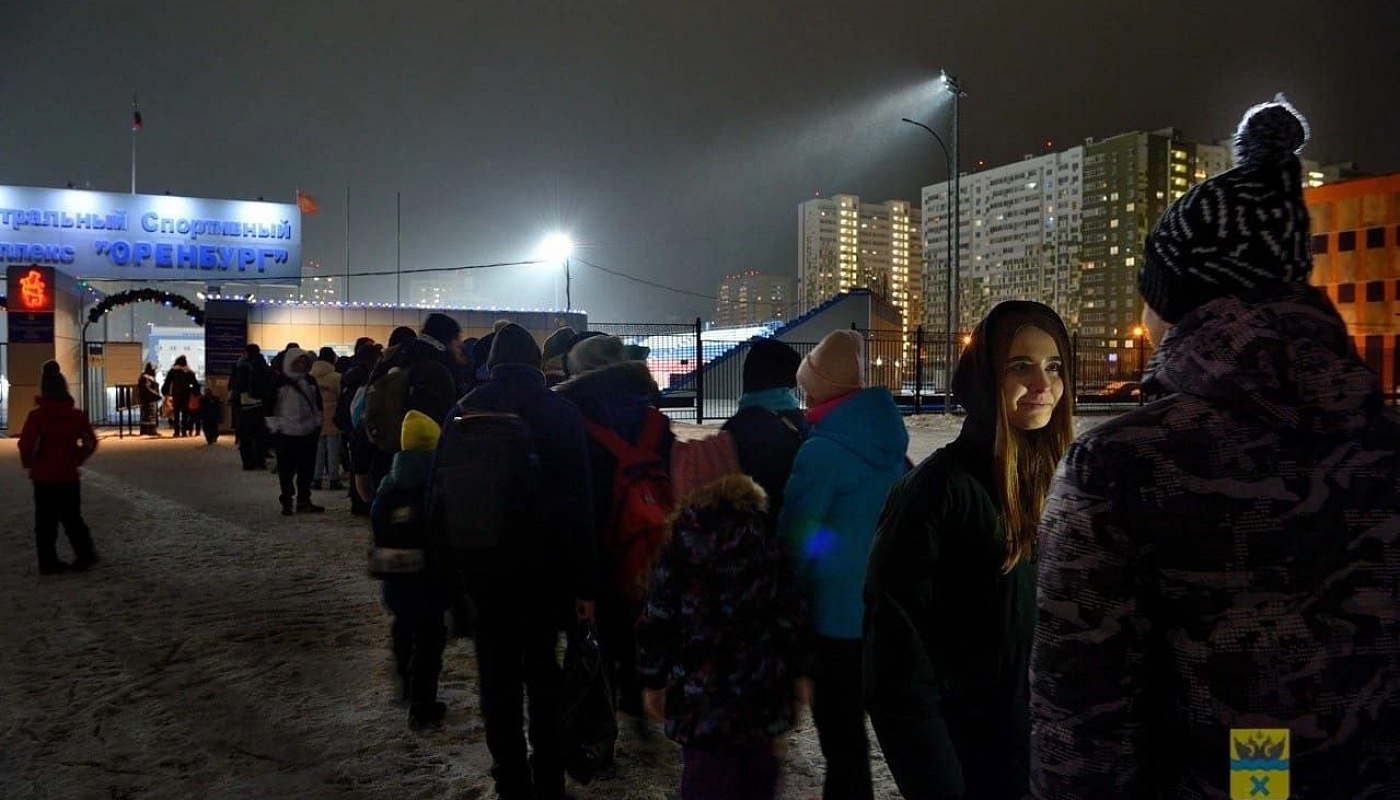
[
  {"x": 1129, "y": 181},
  {"x": 1356, "y": 259},
  {"x": 1018, "y": 239},
  {"x": 1316, "y": 173},
  {"x": 845, "y": 244},
  {"x": 754, "y": 298},
  {"x": 1067, "y": 228}
]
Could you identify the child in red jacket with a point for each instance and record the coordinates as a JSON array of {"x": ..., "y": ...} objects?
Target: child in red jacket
[{"x": 57, "y": 439}]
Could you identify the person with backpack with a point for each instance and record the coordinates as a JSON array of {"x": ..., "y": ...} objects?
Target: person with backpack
[
  {"x": 56, "y": 440},
  {"x": 416, "y": 591},
  {"x": 353, "y": 384},
  {"x": 629, "y": 451},
  {"x": 724, "y": 645},
  {"x": 252, "y": 385},
  {"x": 416, "y": 373},
  {"x": 769, "y": 427},
  {"x": 296, "y": 425},
  {"x": 950, "y": 588},
  {"x": 328, "y": 447},
  {"x": 1220, "y": 569},
  {"x": 512, "y": 513},
  {"x": 180, "y": 385},
  {"x": 854, "y": 453}
]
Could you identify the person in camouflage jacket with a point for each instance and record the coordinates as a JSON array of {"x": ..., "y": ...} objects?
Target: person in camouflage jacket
[{"x": 1227, "y": 558}]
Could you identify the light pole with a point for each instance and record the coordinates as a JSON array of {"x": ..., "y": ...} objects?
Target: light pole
[
  {"x": 559, "y": 247},
  {"x": 949, "y": 300},
  {"x": 950, "y": 84}
]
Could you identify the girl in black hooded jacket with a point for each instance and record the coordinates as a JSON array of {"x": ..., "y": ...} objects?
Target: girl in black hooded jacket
[{"x": 950, "y": 589}]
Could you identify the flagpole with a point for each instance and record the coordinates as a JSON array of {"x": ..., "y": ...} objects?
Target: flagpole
[
  {"x": 398, "y": 248},
  {"x": 347, "y": 244},
  {"x": 135, "y": 115}
]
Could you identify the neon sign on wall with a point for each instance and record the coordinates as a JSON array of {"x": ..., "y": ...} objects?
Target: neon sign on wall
[{"x": 31, "y": 289}]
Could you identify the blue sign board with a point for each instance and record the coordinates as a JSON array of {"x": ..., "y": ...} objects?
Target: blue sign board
[{"x": 103, "y": 235}]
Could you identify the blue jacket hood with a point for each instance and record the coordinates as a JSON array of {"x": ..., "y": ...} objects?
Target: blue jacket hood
[{"x": 869, "y": 425}]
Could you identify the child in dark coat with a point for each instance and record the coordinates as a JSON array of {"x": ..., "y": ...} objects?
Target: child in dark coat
[
  {"x": 56, "y": 440},
  {"x": 211, "y": 414},
  {"x": 724, "y": 646},
  {"x": 415, "y": 594}
]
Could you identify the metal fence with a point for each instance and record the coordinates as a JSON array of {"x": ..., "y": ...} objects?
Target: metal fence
[{"x": 701, "y": 374}]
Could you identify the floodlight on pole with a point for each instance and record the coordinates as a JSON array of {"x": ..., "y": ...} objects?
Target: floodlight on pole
[
  {"x": 949, "y": 84},
  {"x": 559, "y": 247}
]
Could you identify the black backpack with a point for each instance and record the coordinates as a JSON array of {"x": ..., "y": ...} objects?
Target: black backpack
[{"x": 485, "y": 494}]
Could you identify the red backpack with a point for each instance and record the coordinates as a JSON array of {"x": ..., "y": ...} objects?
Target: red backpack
[{"x": 637, "y": 525}]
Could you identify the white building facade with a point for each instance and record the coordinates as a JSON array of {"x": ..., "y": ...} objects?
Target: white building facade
[{"x": 1019, "y": 237}]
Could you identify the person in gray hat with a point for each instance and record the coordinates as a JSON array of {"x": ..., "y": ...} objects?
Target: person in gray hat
[{"x": 1219, "y": 570}]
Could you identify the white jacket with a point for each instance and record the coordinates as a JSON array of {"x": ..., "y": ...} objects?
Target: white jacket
[{"x": 296, "y": 412}]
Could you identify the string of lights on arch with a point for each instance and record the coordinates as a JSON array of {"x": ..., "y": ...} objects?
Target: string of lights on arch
[{"x": 169, "y": 299}]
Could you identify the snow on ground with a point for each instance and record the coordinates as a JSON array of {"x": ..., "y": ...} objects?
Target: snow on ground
[{"x": 225, "y": 652}]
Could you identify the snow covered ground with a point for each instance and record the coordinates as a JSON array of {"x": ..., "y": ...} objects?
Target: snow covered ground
[{"x": 225, "y": 652}]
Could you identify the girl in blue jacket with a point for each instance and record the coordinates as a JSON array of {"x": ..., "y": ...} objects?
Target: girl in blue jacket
[{"x": 854, "y": 453}]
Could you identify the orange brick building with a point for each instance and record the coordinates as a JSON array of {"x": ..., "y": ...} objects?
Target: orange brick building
[{"x": 1356, "y": 258}]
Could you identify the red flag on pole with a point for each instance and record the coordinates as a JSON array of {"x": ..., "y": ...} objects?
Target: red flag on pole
[
  {"x": 135, "y": 115},
  {"x": 306, "y": 203}
]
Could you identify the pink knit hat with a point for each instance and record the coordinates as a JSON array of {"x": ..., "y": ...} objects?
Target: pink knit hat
[{"x": 835, "y": 367}]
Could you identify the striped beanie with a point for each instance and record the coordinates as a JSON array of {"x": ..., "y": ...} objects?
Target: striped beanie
[{"x": 1239, "y": 230}]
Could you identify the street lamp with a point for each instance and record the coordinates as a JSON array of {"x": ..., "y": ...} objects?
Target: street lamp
[
  {"x": 950, "y": 84},
  {"x": 559, "y": 247}
]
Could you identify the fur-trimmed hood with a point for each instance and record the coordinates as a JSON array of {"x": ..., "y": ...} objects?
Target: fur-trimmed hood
[{"x": 737, "y": 492}]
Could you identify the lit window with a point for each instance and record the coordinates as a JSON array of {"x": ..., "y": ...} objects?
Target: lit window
[
  {"x": 1113, "y": 251},
  {"x": 1131, "y": 207},
  {"x": 1113, "y": 223},
  {"x": 1113, "y": 196},
  {"x": 1131, "y": 261}
]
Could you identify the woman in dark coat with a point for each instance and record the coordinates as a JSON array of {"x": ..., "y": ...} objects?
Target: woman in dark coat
[
  {"x": 149, "y": 397},
  {"x": 180, "y": 386},
  {"x": 950, "y": 589}
]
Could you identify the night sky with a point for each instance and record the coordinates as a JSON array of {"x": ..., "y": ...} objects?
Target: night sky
[{"x": 674, "y": 139}]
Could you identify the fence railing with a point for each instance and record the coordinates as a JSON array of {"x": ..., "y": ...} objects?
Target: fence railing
[{"x": 701, "y": 374}]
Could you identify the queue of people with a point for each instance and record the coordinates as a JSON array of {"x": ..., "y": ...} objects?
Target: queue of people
[{"x": 1021, "y": 614}]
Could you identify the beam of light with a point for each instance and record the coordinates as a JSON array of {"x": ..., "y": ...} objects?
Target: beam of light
[{"x": 832, "y": 145}]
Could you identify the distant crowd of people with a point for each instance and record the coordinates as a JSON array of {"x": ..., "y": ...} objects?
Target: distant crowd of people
[
  {"x": 179, "y": 399},
  {"x": 1198, "y": 593}
]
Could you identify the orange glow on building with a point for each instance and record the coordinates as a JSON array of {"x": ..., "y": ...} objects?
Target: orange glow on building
[{"x": 1356, "y": 259}]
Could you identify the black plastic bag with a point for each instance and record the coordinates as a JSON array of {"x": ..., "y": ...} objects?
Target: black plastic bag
[{"x": 587, "y": 719}]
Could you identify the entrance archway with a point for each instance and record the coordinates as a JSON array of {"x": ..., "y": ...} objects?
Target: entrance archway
[{"x": 94, "y": 383}]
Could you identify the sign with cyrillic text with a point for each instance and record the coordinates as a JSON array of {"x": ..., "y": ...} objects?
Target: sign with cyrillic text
[{"x": 105, "y": 235}]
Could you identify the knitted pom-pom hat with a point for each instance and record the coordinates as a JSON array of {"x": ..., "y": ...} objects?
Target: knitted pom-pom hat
[{"x": 1239, "y": 230}]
